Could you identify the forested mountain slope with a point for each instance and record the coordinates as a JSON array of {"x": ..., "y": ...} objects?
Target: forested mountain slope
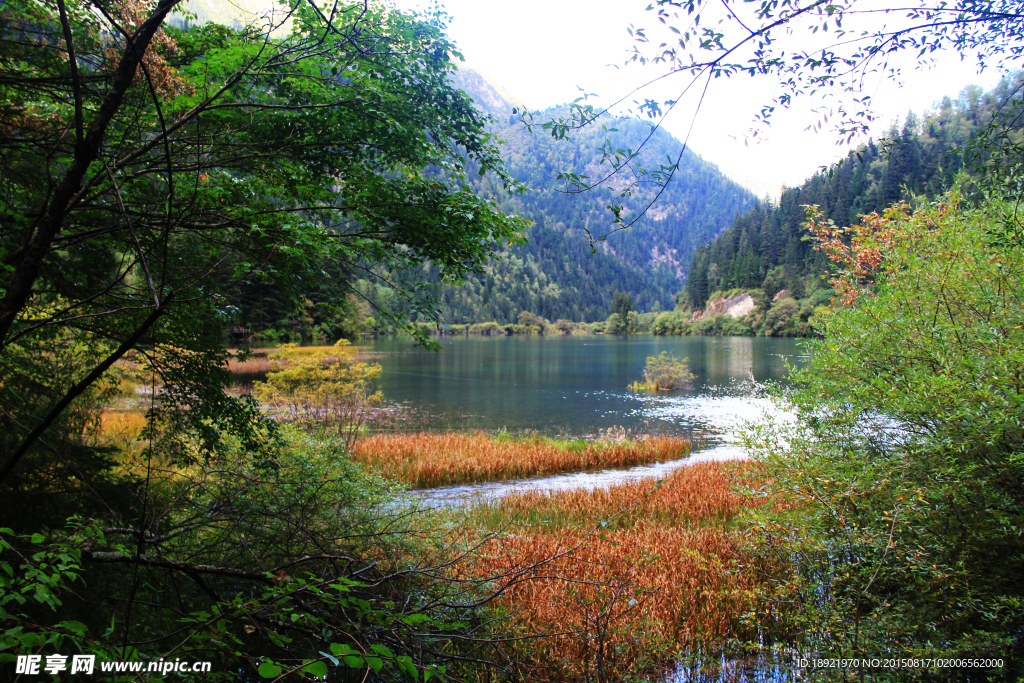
[
  {"x": 764, "y": 248},
  {"x": 555, "y": 274}
]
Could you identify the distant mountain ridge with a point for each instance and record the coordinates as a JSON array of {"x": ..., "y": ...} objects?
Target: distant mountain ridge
[{"x": 555, "y": 275}]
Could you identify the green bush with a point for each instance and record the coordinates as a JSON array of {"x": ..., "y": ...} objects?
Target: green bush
[
  {"x": 665, "y": 372},
  {"x": 905, "y": 471},
  {"x": 781, "y": 320},
  {"x": 614, "y": 325},
  {"x": 307, "y": 563}
]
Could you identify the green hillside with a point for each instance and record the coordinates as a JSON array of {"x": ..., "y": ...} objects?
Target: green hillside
[
  {"x": 765, "y": 251},
  {"x": 554, "y": 274}
]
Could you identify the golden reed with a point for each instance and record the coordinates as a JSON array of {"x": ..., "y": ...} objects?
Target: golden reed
[
  {"x": 427, "y": 459},
  {"x": 662, "y": 574}
]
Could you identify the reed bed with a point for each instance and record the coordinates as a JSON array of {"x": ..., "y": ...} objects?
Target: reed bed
[
  {"x": 425, "y": 459},
  {"x": 624, "y": 580},
  {"x": 700, "y": 494},
  {"x": 256, "y": 364},
  {"x": 263, "y": 361}
]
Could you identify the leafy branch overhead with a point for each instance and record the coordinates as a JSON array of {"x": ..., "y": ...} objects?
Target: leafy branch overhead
[{"x": 157, "y": 167}]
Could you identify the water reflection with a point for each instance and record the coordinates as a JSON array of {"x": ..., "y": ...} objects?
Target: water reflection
[
  {"x": 715, "y": 415},
  {"x": 764, "y": 668},
  {"x": 569, "y": 385}
]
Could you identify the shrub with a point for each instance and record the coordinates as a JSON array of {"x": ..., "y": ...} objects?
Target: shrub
[
  {"x": 665, "y": 372},
  {"x": 906, "y": 459},
  {"x": 663, "y": 324},
  {"x": 780, "y": 320},
  {"x": 321, "y": 387},
  {"x": 303, "y": 564}
]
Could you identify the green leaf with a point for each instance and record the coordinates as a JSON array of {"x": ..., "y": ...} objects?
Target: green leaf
[
  {"x": 75, "y": 627},
  {"x": 318, "y": 669},
  {"x": 412, "y": 619},
  {"x": 405, "y": 661},
  {"x": 376, "y": 663},
  {"x": 382, "y": 649},
  {"x": 354, "y": 662},
  {"x": 268, "y": 670}
]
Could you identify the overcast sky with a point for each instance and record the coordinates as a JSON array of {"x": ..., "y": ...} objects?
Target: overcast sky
[{"x": 542, "y": 51}]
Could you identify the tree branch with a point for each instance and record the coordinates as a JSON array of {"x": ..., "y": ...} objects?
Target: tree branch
[
  {"x": 76, "y": 390},
  {"x": 19, "y": 289}
]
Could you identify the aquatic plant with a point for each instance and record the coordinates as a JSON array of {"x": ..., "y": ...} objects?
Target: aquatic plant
[
  {"x": 426, "y": 459},
  {"x": 624, "y": 579},
  {"x": 321, "y": 387},
  {"x": 664, "y": 372}
]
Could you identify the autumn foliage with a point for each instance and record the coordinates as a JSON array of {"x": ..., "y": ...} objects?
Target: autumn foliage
[
  {"x": 622, "y": 579},
  {"x": 858, "y": 250}
]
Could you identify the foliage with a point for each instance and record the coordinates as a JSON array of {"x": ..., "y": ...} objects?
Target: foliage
[
  {"x": 30, "y": 592},
  {"x": 836, "y": 64},
  {"x": 321, "y": 388},
  {"x": 780, "y": 317},
  {"x": 150, "y": 188},
  {"x": 765, "y": 248},
  {"x": 906, "y": 463},
  {"x": 37, "y": 371},
  {"x": 622, "y": 304},
  {"x": 306, "y": 566},
  {"x": 634, "y": 575},
  {"x": 555, "y": 274},
  {"x": 157, "y": 177},
  {"x": 840, "y": 47},
  {"x": 664, "y": 372}
]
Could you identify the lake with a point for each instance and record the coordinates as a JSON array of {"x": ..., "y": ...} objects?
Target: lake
[{"x": 576, "y": 386}]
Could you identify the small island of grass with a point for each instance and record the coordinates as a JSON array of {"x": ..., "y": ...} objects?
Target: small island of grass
[{"x": 664, "y": 372}]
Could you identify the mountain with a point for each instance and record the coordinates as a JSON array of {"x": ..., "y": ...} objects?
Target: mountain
[
  {"x": 765, "y": 251},
  {"x": 555, "y": 274}
]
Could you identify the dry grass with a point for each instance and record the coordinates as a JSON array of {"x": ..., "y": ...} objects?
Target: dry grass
[
  {"x": 700, "y": 494},
  {"x": 257, "y": 364},
  {"x": 664, "y": 576},
  {"x": 425, "y": 460},
  {"x": 121, "y": 425},
  {"x": 262, "y": 361}
]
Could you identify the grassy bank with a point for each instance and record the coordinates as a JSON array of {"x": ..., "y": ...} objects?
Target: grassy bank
[
  {"x": 424, "y": 460},
  {"x": 624, "y": 580},
  {"x": 602, "y": 584}
]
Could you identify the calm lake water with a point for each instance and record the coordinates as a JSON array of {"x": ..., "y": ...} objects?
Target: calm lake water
[{"x": 576, "y": 386}]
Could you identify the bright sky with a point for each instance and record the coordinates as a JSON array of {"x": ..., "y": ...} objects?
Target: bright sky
[{"x": 542, "y": 50}]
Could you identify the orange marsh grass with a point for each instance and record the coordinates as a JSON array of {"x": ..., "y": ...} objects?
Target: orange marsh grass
[
  {"x": 426, "y": 459},
  {"x": 701, "y": 494},
  {"x": 665, "y": 576},
  {"x": 122, "y": 425}
]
